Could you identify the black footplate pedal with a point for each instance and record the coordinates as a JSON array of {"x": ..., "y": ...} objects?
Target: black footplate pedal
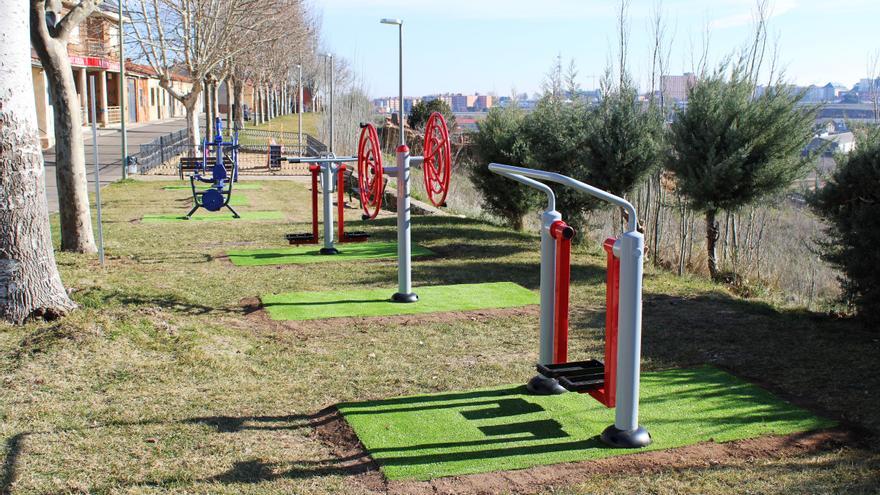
[
  {"x": 578, "y": 376},
  {"x": 306, "y": 238},
  {"x": 356, "y": 236}
]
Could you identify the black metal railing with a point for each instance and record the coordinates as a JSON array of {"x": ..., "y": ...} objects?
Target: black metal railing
[
  {"x": 161, "y": 150},
  {"x": 257, "y": 140},
  {"x": 170, "y": 146}
]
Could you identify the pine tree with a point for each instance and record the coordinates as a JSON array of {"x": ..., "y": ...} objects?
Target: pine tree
[
  {"x": 850, "y": 204},
  {"x": 731, "y": 148},
  {"x": 500, "y": 139}
]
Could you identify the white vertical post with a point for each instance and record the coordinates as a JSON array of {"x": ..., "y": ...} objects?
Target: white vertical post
[
  {"x": 105, "y": 114},
  {"x": 626, "y": 431},
  {"x": 122, "y": 92},
  {"x": 404, "y": 237},
  {"x": 327, "y": 174},
  {"x": 300, "y": 109},
  {"x": 97, "y": 175},
  {"x": 330, "y": 56}
]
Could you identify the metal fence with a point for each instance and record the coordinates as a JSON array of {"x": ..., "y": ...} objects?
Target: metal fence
[
  {"x": 170, "y": 146},
  {"x": 159, "y": 151},
  {"x": 257, "y": 140}
]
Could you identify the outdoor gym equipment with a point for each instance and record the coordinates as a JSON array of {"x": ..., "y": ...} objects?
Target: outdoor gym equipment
[
  {"x": 437, "y": 167},
  {"x": 225, "y": 153},
  {"x": 614, "y": 382},
  {"x": 436, "y": 164},
  {"x": 328, "y": 168}
]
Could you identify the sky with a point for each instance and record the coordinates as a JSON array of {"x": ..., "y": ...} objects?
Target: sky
[{"x": 498, "y": 46}]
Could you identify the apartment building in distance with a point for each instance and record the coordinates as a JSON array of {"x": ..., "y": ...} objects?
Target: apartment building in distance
[{"x": 676, "y": 88}]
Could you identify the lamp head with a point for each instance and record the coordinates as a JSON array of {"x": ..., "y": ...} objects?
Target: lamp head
[{"x": 396, "y": 22}]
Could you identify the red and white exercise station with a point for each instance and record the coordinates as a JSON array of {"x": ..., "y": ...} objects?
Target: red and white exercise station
[{"x": 614, "y": 382}]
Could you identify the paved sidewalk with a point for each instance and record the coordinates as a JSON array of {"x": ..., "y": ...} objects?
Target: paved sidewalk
[{"x": 109, "y": 152}]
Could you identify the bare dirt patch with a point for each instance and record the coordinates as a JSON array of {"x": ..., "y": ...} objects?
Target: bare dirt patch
[{"x": 354, "y": 460}]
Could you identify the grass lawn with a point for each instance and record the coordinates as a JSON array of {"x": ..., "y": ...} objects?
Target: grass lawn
[
  {"x": 237, "y": 187},
  {"x": 452, "y": 433},
  {"x": 290, "y": 123},
  {"x": 165, "y": 381},
  {"x": 214, "y": 216},
  {"x": 377, "y": 302},
  {"x": 312, "y": 254}
]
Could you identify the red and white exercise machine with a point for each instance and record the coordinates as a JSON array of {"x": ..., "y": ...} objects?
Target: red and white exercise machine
[{"x": 615, "y": 381}]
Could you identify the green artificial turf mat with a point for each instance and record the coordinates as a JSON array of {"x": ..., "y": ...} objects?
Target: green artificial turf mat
[
  {"x": 450, "y": 434},
  {"x": 240, "y": 187},
  {"x": 377, "y": 302},
  {"x": 311, "y": 254},
  {"x": 221, "y": 215}
]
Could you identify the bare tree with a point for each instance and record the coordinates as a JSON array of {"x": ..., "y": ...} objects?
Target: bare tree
[
  {"x": 50, "y": 33},
  {"x": 553, "y": 80},
  {"x": 194, "y": 37},
  {"x": 29, "y": 282}
]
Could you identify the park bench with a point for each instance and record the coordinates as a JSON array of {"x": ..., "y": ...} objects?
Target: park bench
[{"x": 194, "y": 163}]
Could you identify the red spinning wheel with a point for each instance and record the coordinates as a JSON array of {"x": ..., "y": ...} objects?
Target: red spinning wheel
[
  {"x": 438, "y": 159},
  {"x": 370, "y": 171}
]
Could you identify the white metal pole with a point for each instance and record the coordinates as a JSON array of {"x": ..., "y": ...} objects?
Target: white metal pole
[
  {"x": 400, "y": 81},
  {"x": 626, "y": 431},
  {"x": 300, "y": 104},
  {"x": 404, "y": 247},
  {"x": 122, "y": 94},
  {"x": 404, "y": 214},
  {"x": 97, "y": 172},
  {"x": 327, "y": 190},
  {"x": 330, "y": 56}
]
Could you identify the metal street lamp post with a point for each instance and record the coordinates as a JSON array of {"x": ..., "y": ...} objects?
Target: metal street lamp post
[{"x": 122, "y": 95}]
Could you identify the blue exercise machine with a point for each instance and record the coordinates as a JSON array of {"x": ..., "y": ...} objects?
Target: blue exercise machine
[{"x": 225, "y": 154}]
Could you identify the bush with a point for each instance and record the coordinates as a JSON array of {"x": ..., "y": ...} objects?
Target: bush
[
  {"x": 850, "y": 204},
  {"x": 556, "y": 133},
  {"x": 625, "y": 141},
  {"x": 499, "y": 139},
  {"x": 422, "y": 110}
]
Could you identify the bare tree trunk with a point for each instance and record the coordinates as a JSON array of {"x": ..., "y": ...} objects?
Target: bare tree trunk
[
  {"x": 238, "y": 96},
  {"x": 215, "y": 103},
  {"x": 29, "y": 282},
  {"x": 656, "y": 230},
  {"x": 70, "y": 164},
  {"x": 712, "y": 233},
  {"x": 209, "y": 110},
  {"x": 190, "y": 105}
]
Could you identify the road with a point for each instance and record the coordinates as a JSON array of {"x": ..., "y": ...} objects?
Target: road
[{"x": 109, "y": 153}]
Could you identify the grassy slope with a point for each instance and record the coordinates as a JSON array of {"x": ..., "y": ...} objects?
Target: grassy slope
[
  {"x": 160, "y": 381},
  {"x": 311, "y": 254},
  {"x": 290, "y": 123}
]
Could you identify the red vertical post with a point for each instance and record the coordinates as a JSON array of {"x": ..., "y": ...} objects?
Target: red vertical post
[
  {"x": 314, "y": 169},
  {"x": 340, "y": 189},
  {"x": 607, "y": 395},
  {"x": 560, "y": 231}
]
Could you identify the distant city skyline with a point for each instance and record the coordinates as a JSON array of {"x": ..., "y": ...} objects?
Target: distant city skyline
[{"x": 497, "y": 46}]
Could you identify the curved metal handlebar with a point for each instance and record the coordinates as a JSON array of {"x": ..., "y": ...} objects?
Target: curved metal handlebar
[{"x": 525, "y": 176}]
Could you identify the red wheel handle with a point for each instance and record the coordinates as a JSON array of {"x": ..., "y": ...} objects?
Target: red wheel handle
[
  {"x": 437, "y": 166},
  {"x": 370, "y": 181}
]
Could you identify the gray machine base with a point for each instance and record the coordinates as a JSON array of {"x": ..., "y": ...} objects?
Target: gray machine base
[
  {"x": 405, "y": 298},
  {"x": 541, "y": 385},
  {"x": 631, "y": 439},
  {"x": 329, "y": 251}
]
